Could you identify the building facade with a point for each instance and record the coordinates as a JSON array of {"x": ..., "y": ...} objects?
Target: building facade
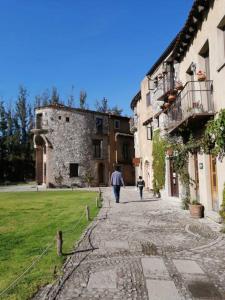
[
  {"x": 185, "y": 90},
  {"x": 74, "y": 146}
]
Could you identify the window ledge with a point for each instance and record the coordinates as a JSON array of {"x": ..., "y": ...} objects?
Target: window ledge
[{"x": 221, "y": 67}]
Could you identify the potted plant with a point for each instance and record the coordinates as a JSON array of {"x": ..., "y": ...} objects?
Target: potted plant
[
  {"x": 201, "y": 76},
  {"x": 196, "y": 209},
  {"x": 197, "y": 107},
  {"x": 179, "y": 85},
  {"x": 172, "y": 96}
]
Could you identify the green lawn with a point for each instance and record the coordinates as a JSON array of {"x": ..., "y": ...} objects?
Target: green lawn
[{"x": 28, "y": 223}]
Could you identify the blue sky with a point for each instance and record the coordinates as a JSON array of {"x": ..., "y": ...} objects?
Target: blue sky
[{"x": 102, "y": 46}]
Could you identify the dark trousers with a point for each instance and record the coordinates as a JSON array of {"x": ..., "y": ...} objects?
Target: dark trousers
[
  {"x": 116, "y": 190},
  {"x": 141, "y": 191}
]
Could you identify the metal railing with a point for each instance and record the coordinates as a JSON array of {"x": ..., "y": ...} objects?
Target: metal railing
[
  {"x": 164, "y": 85},
  {"x": 196, "y": 98}
]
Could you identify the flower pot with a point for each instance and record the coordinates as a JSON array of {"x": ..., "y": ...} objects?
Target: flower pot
[
  {"x": 201, "y": 77},
  {"x": 196, "y": 211},
  {"x": 171, "y": 98},
  {"x": 179, "y": 87},
  {"x": 166, "y": 105},
  {"x": 169, "y": 152}
]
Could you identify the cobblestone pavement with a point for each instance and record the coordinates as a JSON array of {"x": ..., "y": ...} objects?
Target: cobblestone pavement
[{"x": 149, "y": 249}]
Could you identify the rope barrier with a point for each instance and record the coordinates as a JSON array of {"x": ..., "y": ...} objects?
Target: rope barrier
[{"x": 17, "y": 280}]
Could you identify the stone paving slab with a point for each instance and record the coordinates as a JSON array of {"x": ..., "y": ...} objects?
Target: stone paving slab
[
  {"x": 162, "y": 290},
  {"x": 187, "y": 266},
  {"x": 103, "y": 280},
  {"x": 154, "y": 267}
]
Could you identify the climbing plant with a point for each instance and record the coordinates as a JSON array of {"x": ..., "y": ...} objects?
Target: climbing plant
[
  {"x": 222, "y": 210},
  {"x": 158, "y": 153},
  {"x": 213, "y": 141}
]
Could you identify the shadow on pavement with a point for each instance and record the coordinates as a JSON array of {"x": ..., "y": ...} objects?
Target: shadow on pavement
[{"x": 145, "y": 200}]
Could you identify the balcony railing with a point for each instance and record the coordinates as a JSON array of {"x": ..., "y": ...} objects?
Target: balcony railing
[
  {"x": 196, "y": 99},
  {"x": 164, "y": 85},
  {"x": 133, "y": 124}
]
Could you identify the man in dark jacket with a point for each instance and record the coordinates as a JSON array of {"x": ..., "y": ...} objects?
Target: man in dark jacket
[{"x": 117, "y": 182}]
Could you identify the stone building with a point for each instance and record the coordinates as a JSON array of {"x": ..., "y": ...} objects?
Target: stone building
[
  {"x": 73, "y": 145},
  {"x": 176, "y": 101}
]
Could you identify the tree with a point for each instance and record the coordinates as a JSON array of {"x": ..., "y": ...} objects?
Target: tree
[
  {"x": 45, "y": 98},
  {"x": 83, "y": 99},
  {"x": 70, "y": 100},
  {"x": 102, "y": 106},
  {"x": 3, "y": 139},
  {"x": 21, "y": 112},
  {"x": 115, "y": 110},
  {"x": 54, "y": 96}
]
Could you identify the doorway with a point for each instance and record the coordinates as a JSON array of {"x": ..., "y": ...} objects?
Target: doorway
[
  {"x": 196, "y": 184},
  {"x": 214, "y": 183},
  {"x": 101, "y": 171},
  {"x": 173, "y": 180}
]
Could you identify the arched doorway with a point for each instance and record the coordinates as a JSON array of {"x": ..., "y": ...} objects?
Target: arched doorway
[{"x": 101, "y": 171}]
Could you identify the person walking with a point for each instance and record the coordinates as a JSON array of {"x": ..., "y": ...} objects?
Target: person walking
[
  {"x": 140, "y": 186},
  {"x": 117, "y": 182}
]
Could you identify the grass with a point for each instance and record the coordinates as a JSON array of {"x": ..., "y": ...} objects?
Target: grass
[{"x": 28, "y": 223}]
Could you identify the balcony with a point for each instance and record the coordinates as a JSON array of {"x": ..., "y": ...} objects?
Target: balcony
[
  {"x": 164, "y": 85},
  {"x": 193, "y": 106},
  {"x": 133, "y": 124}
]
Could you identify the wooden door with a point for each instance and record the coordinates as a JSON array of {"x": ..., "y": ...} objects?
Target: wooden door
[
  {"x": 173, "y": 180},
  {"x": 214, "y": 183}
]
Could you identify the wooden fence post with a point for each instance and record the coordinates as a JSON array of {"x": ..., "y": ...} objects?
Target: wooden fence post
[
  {"x": 87, "y": 213},
  {"x": 59, "y": 242}
]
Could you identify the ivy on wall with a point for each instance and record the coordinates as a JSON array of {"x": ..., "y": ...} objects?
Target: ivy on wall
[
  {"x": 214, "y": 137},
  {"x": 222, "y": 210},
  {"x": 158, "y": 165}
]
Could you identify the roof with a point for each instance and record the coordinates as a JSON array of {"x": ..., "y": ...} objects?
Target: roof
[
  {"x": 163, "y": 56},
  {"x": 148, "y": 121},
  {"x": 59, "y": 106},
  {"x": 195, "y": 18},
  {"x": 136, "y": 98}
]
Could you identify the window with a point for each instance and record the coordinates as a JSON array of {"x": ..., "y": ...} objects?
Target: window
[
  {"x": 116, "y": 124},
  {"x": 97, "y": 148},
  {"x": 59, "y": 117},
  {"x": 74, "y": 170},
  {"x": 148, "y": 99},
  {"x": 149, "y": 132},
  {"x": 125, "y": 151},
  {"x": 67, "y": 119},
  {"x": 221, "y": 37},
  {"x": 39, "y": 121},
  {"x": 99, "y": 125}
]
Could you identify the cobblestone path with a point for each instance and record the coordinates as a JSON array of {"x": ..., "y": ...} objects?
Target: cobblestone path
[{"x": 149, "y": 249}]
